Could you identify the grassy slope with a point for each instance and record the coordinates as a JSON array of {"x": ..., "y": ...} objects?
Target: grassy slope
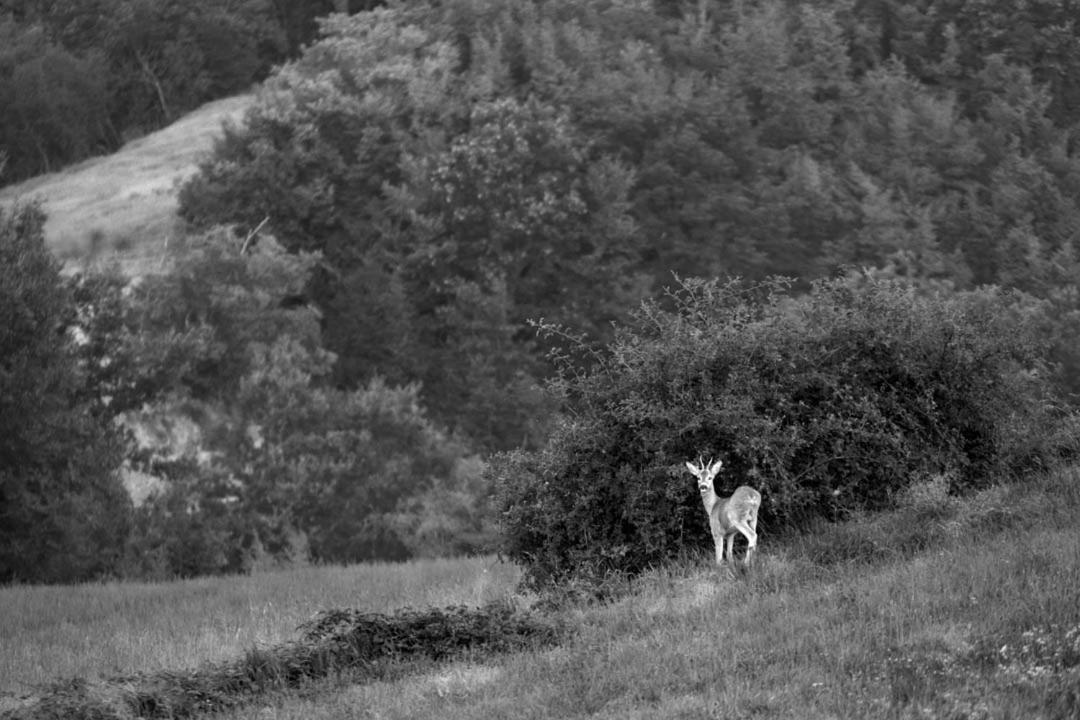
[
  {"x": 127, "y": 199},
  {"x": 859, "y": 622},
  {"x": 943, "y": 609}
]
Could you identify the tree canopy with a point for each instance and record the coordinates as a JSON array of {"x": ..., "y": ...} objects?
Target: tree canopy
[{"x": 562, "y": 159}]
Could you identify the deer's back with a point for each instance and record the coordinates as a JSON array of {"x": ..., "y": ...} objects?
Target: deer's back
[
  {"x": 742, "y": 505},
  {"x": 745, "y": 496}
]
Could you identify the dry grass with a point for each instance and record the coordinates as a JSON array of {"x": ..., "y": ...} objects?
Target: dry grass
[{"x": 126, "y": 202}]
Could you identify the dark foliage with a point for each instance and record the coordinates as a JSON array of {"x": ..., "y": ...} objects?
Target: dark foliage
[
  {"x": 270, "y": 462},
  {"x": 503, "y": 177},
  {"x": 53, "y": 103},
  {"x": 63, "y": 512},
  {"x": 78, "y": 79}
]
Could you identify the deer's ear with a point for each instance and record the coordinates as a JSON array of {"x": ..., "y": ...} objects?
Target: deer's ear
[
  {"x": 692, "y": 467},
  {"x": 715, "y": 467}
]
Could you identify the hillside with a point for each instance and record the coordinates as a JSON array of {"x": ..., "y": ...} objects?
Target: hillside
[
  {"x": 946, "y": 607},
  {"x": 126, "y": 202}
]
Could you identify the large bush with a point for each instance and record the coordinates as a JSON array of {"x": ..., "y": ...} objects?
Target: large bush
[{"x": 827, "y": 403}]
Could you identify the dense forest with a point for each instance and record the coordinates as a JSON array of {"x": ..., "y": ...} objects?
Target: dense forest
[{"x": 424, "y": 288}]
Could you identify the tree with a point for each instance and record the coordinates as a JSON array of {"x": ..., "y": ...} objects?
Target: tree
[
  {"x": 168, "y": 57},
  {"x": 77, "y": 79},
  {"x": 949, "y": 42},
  {"x": 53, "y": 103},
  {"x": 278, "y": 462},
  {"x": 562, "y": 159},
  {"x": 63, "y": 512},
  {"x": 382, "y": 148}
]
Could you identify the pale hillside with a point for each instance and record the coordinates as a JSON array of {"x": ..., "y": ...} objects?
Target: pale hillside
[{"x": 126, "y": 201}]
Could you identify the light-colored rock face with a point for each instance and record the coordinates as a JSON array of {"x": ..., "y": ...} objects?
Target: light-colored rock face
[{"x": 140, "y": 486}]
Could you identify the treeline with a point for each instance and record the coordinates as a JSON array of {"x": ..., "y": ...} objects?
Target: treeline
[
  {"x": 207, "y": 376},
  {"x": 427, "y": 178},
  {"x": 79, "y": 78}
]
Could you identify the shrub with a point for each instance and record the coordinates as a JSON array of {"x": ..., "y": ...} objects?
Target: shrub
[{"x": 829, "y": 403}]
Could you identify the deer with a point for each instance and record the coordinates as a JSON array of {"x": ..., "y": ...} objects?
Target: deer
[{"x": 727, "y": 516}]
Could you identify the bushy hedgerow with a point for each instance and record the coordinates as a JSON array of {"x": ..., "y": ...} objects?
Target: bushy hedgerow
[{"x": 828, "y": 402}]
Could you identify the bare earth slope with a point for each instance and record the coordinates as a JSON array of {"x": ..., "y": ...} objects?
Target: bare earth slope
[{"x": 126, "y": 201}]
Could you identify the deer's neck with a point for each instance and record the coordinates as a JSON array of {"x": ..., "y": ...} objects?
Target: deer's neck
[{"x": 708, "y": 498}]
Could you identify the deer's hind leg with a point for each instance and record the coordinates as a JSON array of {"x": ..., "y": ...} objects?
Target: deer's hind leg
[{"x": 751, "y": 539}]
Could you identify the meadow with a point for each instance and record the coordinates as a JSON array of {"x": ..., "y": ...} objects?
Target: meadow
[
  {"x": 981, "y": 621},
  {"x": 49, "y": 633},
  {"x": 946, "y": 607}
]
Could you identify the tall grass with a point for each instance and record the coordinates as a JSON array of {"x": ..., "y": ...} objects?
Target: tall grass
[{"x": 95, "y": 630}]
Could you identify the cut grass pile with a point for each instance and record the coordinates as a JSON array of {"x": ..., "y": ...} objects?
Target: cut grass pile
[{"x": 126, "y": 202}]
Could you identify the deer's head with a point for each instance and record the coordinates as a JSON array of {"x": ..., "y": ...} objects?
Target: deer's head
[{"x": 704, "y": 472}]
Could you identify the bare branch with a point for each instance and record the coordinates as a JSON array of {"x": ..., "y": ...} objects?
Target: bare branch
[{"x": 251, "y": 235}]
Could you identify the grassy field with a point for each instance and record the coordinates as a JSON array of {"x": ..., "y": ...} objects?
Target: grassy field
[
  {"x": 126, "y": 202},
  {"x": 982, "y": 622},
  {"x": 95, "y": 630},
  {"x": 945, "y": 608}
]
